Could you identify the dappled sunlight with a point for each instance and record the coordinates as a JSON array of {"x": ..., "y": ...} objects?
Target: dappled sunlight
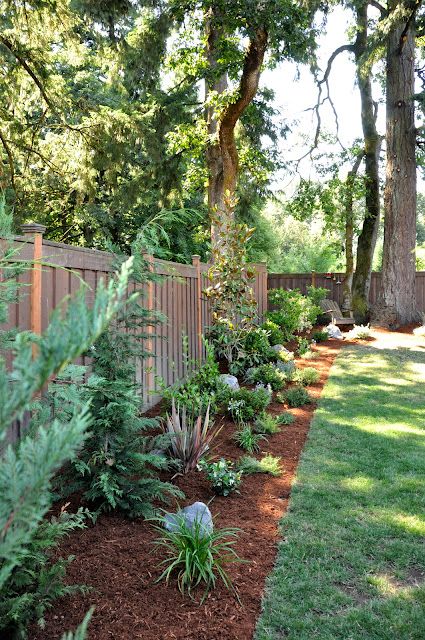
[{"x": 359, "y": 483}]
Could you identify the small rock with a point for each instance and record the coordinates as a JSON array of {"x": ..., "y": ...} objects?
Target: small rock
[
  {"x": 196, "y": 512},
  {"x": 279, "y": 347},
  {"x": 231, "y": 381},
  {"x": 334, "y": 332}
]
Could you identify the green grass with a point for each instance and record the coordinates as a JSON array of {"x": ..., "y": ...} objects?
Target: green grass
[
  {"x": 352, "y": 563},
  {"x": 268, "y": 464}
]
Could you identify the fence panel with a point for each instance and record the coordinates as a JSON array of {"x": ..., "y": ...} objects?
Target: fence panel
[
  {"x": 334, "y": 284},
  {"x": 176, "y": 295}
]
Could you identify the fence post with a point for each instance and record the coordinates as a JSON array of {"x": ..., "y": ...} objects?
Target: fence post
[
  {"x": 313, "y": 278},
  {"x": 196, "y": 261},
  {"x": 37, "y": 231},
  {"x": 149, "y": 376}
]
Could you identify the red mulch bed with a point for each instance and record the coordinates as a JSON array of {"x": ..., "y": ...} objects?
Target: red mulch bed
[{"x": 117, "y": 559}]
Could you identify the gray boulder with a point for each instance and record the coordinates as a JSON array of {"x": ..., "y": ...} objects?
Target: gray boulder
[
  {"x": 334, "y": 332},
  {"x": 279, "y": 348},
  {"x": 196, "y": 512},
  {"x": 231, "y": 381}
]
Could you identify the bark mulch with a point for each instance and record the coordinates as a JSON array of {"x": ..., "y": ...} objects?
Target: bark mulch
[{"x": 117, "y": 559}]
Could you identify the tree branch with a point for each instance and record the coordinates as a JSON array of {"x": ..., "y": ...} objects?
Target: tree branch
[
  {"x": 10, "y": 160},
  {"x": 380, "y": 7}
]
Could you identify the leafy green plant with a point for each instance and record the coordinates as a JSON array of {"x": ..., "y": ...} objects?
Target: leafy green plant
[
  {"x": 268, "y": 374},
  {"x": 37, "y": 583},
  {"x": 284, "y": 355},
  {"x": 190, "y": 438},
  {"x": 231, "y": 295},
  {"x": 223, "y": 476},
  {"x": 196, "y": 556},
  {"x": 119, "y": 464},
  {"x": 244, "y": 404},
  {"x": 267, "y": 464},
  {"x": 266, "y": 424},
  {"x": 247, "y": 439},
  {"x": 294, "y": 312},
  {"x": 295, "y": 397},
  {"x": 317, "y": 294},
  {"x": 285, "y": 418},
  {"x": 306, "y": 376},
  {"x": 320, "y": 336},
  {"x": 27, "y": 468},
  {"x": 287, "y": 368},
  {"x": 275, "y": 333},
  {"x": 199, "y": 391},
  {"x": 303, "y": 346}
]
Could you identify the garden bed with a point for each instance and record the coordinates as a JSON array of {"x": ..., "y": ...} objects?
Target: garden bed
[{"x": 117, "y": 559}]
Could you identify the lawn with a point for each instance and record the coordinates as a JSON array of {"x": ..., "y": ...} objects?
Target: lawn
[{"x": 351, "y": 564}]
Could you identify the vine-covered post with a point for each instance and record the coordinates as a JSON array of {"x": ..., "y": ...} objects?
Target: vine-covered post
[
  {"x": 149, "y": 375},
  {"x": 36, "y": 231},
  {"x": 196, "y": 261}
]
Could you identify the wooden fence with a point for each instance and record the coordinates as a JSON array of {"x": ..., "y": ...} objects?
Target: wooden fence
[
  {"x": 334, "y": 281},
  {"x": 60, "y": 269}
]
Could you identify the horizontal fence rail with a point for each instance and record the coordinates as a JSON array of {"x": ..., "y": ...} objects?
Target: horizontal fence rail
[
  {"x": 334, "y": 283},
  {"x": 177, "y": 295}
]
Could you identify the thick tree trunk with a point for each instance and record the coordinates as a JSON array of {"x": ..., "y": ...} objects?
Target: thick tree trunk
[
  {"x": 398, "y": 304},
  {"x": 349, "y": 235},
  {"x": 372, "y": 144},
  {"x": 222, "y": 155}
]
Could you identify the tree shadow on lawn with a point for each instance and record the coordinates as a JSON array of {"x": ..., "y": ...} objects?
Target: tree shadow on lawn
[{"x": 352, "y": 560}]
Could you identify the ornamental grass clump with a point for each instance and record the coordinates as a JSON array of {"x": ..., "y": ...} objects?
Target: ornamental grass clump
[
  {"x": 190, "y": 438},
  {"x": 295, "y": 397},
  {"x": 248, "y": 440},
  {"x": 268, "y": 464},
  {"x": 223, "y": 476},
  {"x": 195, "y": 555}
]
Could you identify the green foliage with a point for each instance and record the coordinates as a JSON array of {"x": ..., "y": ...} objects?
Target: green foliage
[
  {"x": 232, "y": 300},
  {"x": 223, "y": 476},
  {"x": 195, "y": 555},
  {"x": 244, "y": 404},
  {"x": 267, "y": 374},
  {"x": 36, "y": 582},
  {"x": 294, "y": 397},
  {"x": 247, "y": 439},
  {"x": 320, "y": 336},
  {"x": 81, "y": 631},
  {"x": 266, "y": 424},
  {"x": 27, "y": 468},
  {"x": 268, "y": 464},
  {"x": 119, "y": 463},
  {"x": 294, "y": 312},
  {"x": 275, "y": 334},
  {"x": 306, "y": 376},
  {"x": 303, "y": 345},
  {"x": 190, "y": 437},
  {"x": 200, "y": 390},
  {"x": 317, "y": 294},
  {"x": 287, "y": 368},
  {"x": 285, "y": 418}
]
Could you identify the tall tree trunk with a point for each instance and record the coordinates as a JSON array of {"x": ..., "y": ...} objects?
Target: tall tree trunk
[
  {"x": 349, "y": 235},
  {"x": 372, "y": 144},
  {"x": 398, "y": 304},
  {"x": 222, "y": 155}
]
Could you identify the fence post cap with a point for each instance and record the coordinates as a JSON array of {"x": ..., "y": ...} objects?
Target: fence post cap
[
  {"x": 31, "y": 228},
  {"x": 195, "y": 258}
]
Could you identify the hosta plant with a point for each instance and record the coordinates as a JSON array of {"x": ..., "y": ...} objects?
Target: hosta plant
[
  {"x": 223, "y": 476},
  {"x": 195, "y": 556},
  {"x": 190, "y": 438}
]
